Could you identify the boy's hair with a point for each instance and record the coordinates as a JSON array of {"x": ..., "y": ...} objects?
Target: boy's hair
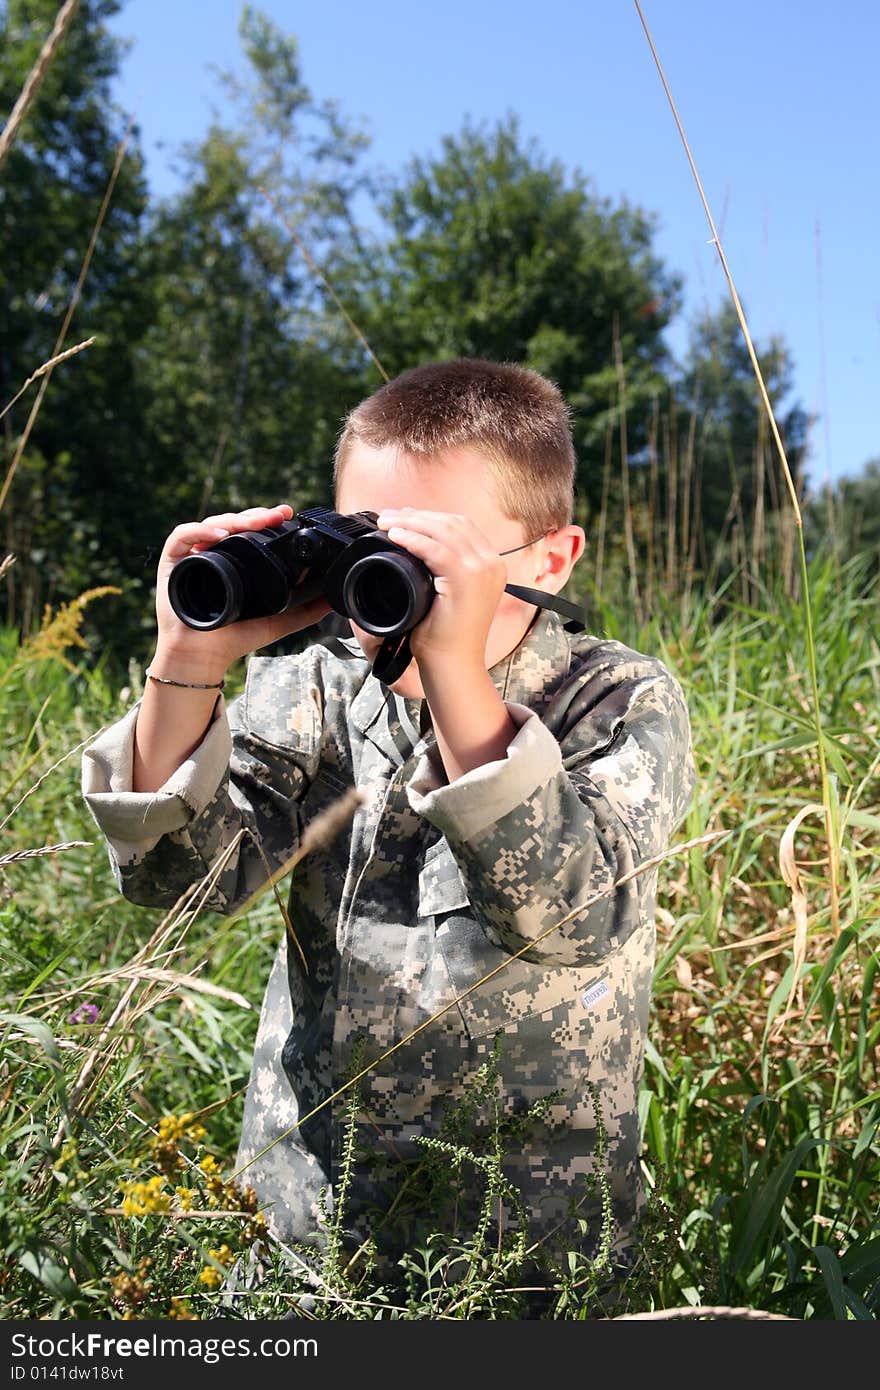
[{"x": 515, "y": 417}]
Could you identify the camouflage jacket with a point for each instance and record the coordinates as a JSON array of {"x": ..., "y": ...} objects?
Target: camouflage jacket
[{"x": 430, "y": 888}]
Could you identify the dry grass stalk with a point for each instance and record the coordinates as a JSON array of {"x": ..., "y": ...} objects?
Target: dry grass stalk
[
  {"x": 35, "y": 77},
  {"x": 41, "y": 371},
  {"x": 114, "y": 1031},
  {"x": 716, "y": 241},
  {"x": 758, "y": 524},
  {"x": 669, "y": 526},
  {"x": 69, "y": 754},
  {"x": 322, "y": 277},
  {"x": 687, "y": 483},
  {"x": 624, "y": 466},
  {"x": 599, "y": 548},
  {"x": 318, "y": 833},
  {"x": 789, "y": 869},
  {"x": 833, "y": 847},
  {"x": 177, "y": 980},
  {"x": 167, "y": 941},
  {"x": 653, "y": 505},
  {"x": 74, "y": 300},
  {"x": 45, "y": 849}
]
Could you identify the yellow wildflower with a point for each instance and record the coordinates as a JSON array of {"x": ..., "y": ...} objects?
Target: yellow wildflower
[
  {"x": 170, "y": 1128},
  {"x": 180, "y": 1309},
  {"x": 209, "y": 1165},
  {"x": 173, "y": 1128},
  {"x": 255, "y": 1228},
  {"x": 210, "y": 1277},
  {"x": 141, "y": 1198},
  {"x": 186, "y": 1197},
  {"x": 62, "y": 629}
]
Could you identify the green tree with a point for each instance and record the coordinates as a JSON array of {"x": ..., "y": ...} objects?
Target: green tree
[
  {"x": 72, "y": 493},
  {"x": 726, "y": 448},
  {"x": 845, "y": 516},
  {"x": 492, "y": 250},
  {"x": 247, "y": 376},
  {"x": 218, "y": 381}
]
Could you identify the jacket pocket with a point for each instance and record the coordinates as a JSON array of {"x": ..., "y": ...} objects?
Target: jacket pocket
[
  {"x": 441, "y": 887},
  {"x": 495, "y": 990}
]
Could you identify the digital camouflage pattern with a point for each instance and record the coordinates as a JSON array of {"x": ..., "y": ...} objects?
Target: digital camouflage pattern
[{"x": 430, "y": 887}]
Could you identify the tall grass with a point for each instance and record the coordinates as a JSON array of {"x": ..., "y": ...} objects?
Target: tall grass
[
  {"x": 125, "y": 1042},
  {"x": 761, "y": 1100},
  {"x": 768, "y": 419}
]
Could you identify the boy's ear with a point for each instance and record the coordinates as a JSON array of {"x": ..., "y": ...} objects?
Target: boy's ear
[{"x": 566, "y": 548}]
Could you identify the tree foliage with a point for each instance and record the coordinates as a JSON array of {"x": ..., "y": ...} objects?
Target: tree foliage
[
  {"x": 492, "y": 250},
  {"x": 73, "y": 487},
  {"x": 845, "y": 516},
  {"x": 223, "y": 368},
  {"x": 724, "y": 421}
]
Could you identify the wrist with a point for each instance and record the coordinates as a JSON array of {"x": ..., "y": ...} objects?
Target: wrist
[
  {"x": 472, "y": 724},
  {"x": 452, "y": 679},
  {"x": 184, "y": 666}
]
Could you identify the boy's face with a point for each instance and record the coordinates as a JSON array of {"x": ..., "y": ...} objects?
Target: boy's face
[{"x": 457, "y": 482}]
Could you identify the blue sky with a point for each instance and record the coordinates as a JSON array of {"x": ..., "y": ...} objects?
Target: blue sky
[{"x": 778, "y": 101}]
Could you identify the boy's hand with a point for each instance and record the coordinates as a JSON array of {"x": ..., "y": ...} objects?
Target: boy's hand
[
  {"x": 469, "y": 579},
  {"x": 209, "y": 653}
]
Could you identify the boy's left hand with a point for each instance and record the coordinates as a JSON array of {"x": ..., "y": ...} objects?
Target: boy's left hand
[{"x": 469, "y": 579}]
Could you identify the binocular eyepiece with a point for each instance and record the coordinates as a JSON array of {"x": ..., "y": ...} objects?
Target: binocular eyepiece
[{"x": 320, "y": 553}]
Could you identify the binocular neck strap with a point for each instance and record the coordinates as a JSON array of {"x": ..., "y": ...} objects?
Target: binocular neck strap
[
  {"x": 576, "y": 615},
  {"x": 394, "y": 655},
  {"x": 392, "y": 658}
]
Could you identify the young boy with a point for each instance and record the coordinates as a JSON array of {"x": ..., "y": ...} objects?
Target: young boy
[{"x": 510, "y": 774}]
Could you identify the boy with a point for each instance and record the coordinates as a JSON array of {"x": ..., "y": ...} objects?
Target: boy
[{"x": 510, "y": 774}]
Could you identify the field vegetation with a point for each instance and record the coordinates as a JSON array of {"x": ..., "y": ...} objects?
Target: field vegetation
[{"x": 211, "y": 343}]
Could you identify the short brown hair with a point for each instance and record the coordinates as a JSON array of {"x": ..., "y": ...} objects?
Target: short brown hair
[{"x": 517, "y": 418}]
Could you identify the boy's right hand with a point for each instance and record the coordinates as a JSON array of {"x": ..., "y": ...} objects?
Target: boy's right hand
[{"x": 187, "y": 653}]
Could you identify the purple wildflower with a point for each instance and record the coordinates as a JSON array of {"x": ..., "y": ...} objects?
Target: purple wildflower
[{"x": 85, "y": 1013}]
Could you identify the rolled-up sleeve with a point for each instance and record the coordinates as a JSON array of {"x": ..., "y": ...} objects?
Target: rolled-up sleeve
[
  {"x": 247, "y": 775},
  {"x": 132, "y": 822},
  {"x": 556, "y": 822}
]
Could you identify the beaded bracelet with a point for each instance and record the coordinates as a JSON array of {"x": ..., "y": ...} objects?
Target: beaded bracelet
[{"x": 187, "y": 685}]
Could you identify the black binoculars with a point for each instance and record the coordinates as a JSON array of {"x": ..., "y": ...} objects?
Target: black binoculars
[
  {"x": 320, "y": 553},
  {"x": 343, "y": 558}
]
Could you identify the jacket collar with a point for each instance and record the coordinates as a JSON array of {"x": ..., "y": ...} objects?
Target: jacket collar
[{"x": 529, "y": 675}]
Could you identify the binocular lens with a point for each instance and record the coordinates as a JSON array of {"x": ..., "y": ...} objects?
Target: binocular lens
[
  {"x": 207, "y": 589},
  {"x": 380, "y": 594}
]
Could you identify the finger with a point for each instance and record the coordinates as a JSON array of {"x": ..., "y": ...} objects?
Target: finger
[
  {"x": 192, "y": 534},
  {"x": 249, "y": 518},
  {"x": 454, "y": 529},
  {"x": 450, "y": 531},
  {"x": 444, "y": 556}
]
